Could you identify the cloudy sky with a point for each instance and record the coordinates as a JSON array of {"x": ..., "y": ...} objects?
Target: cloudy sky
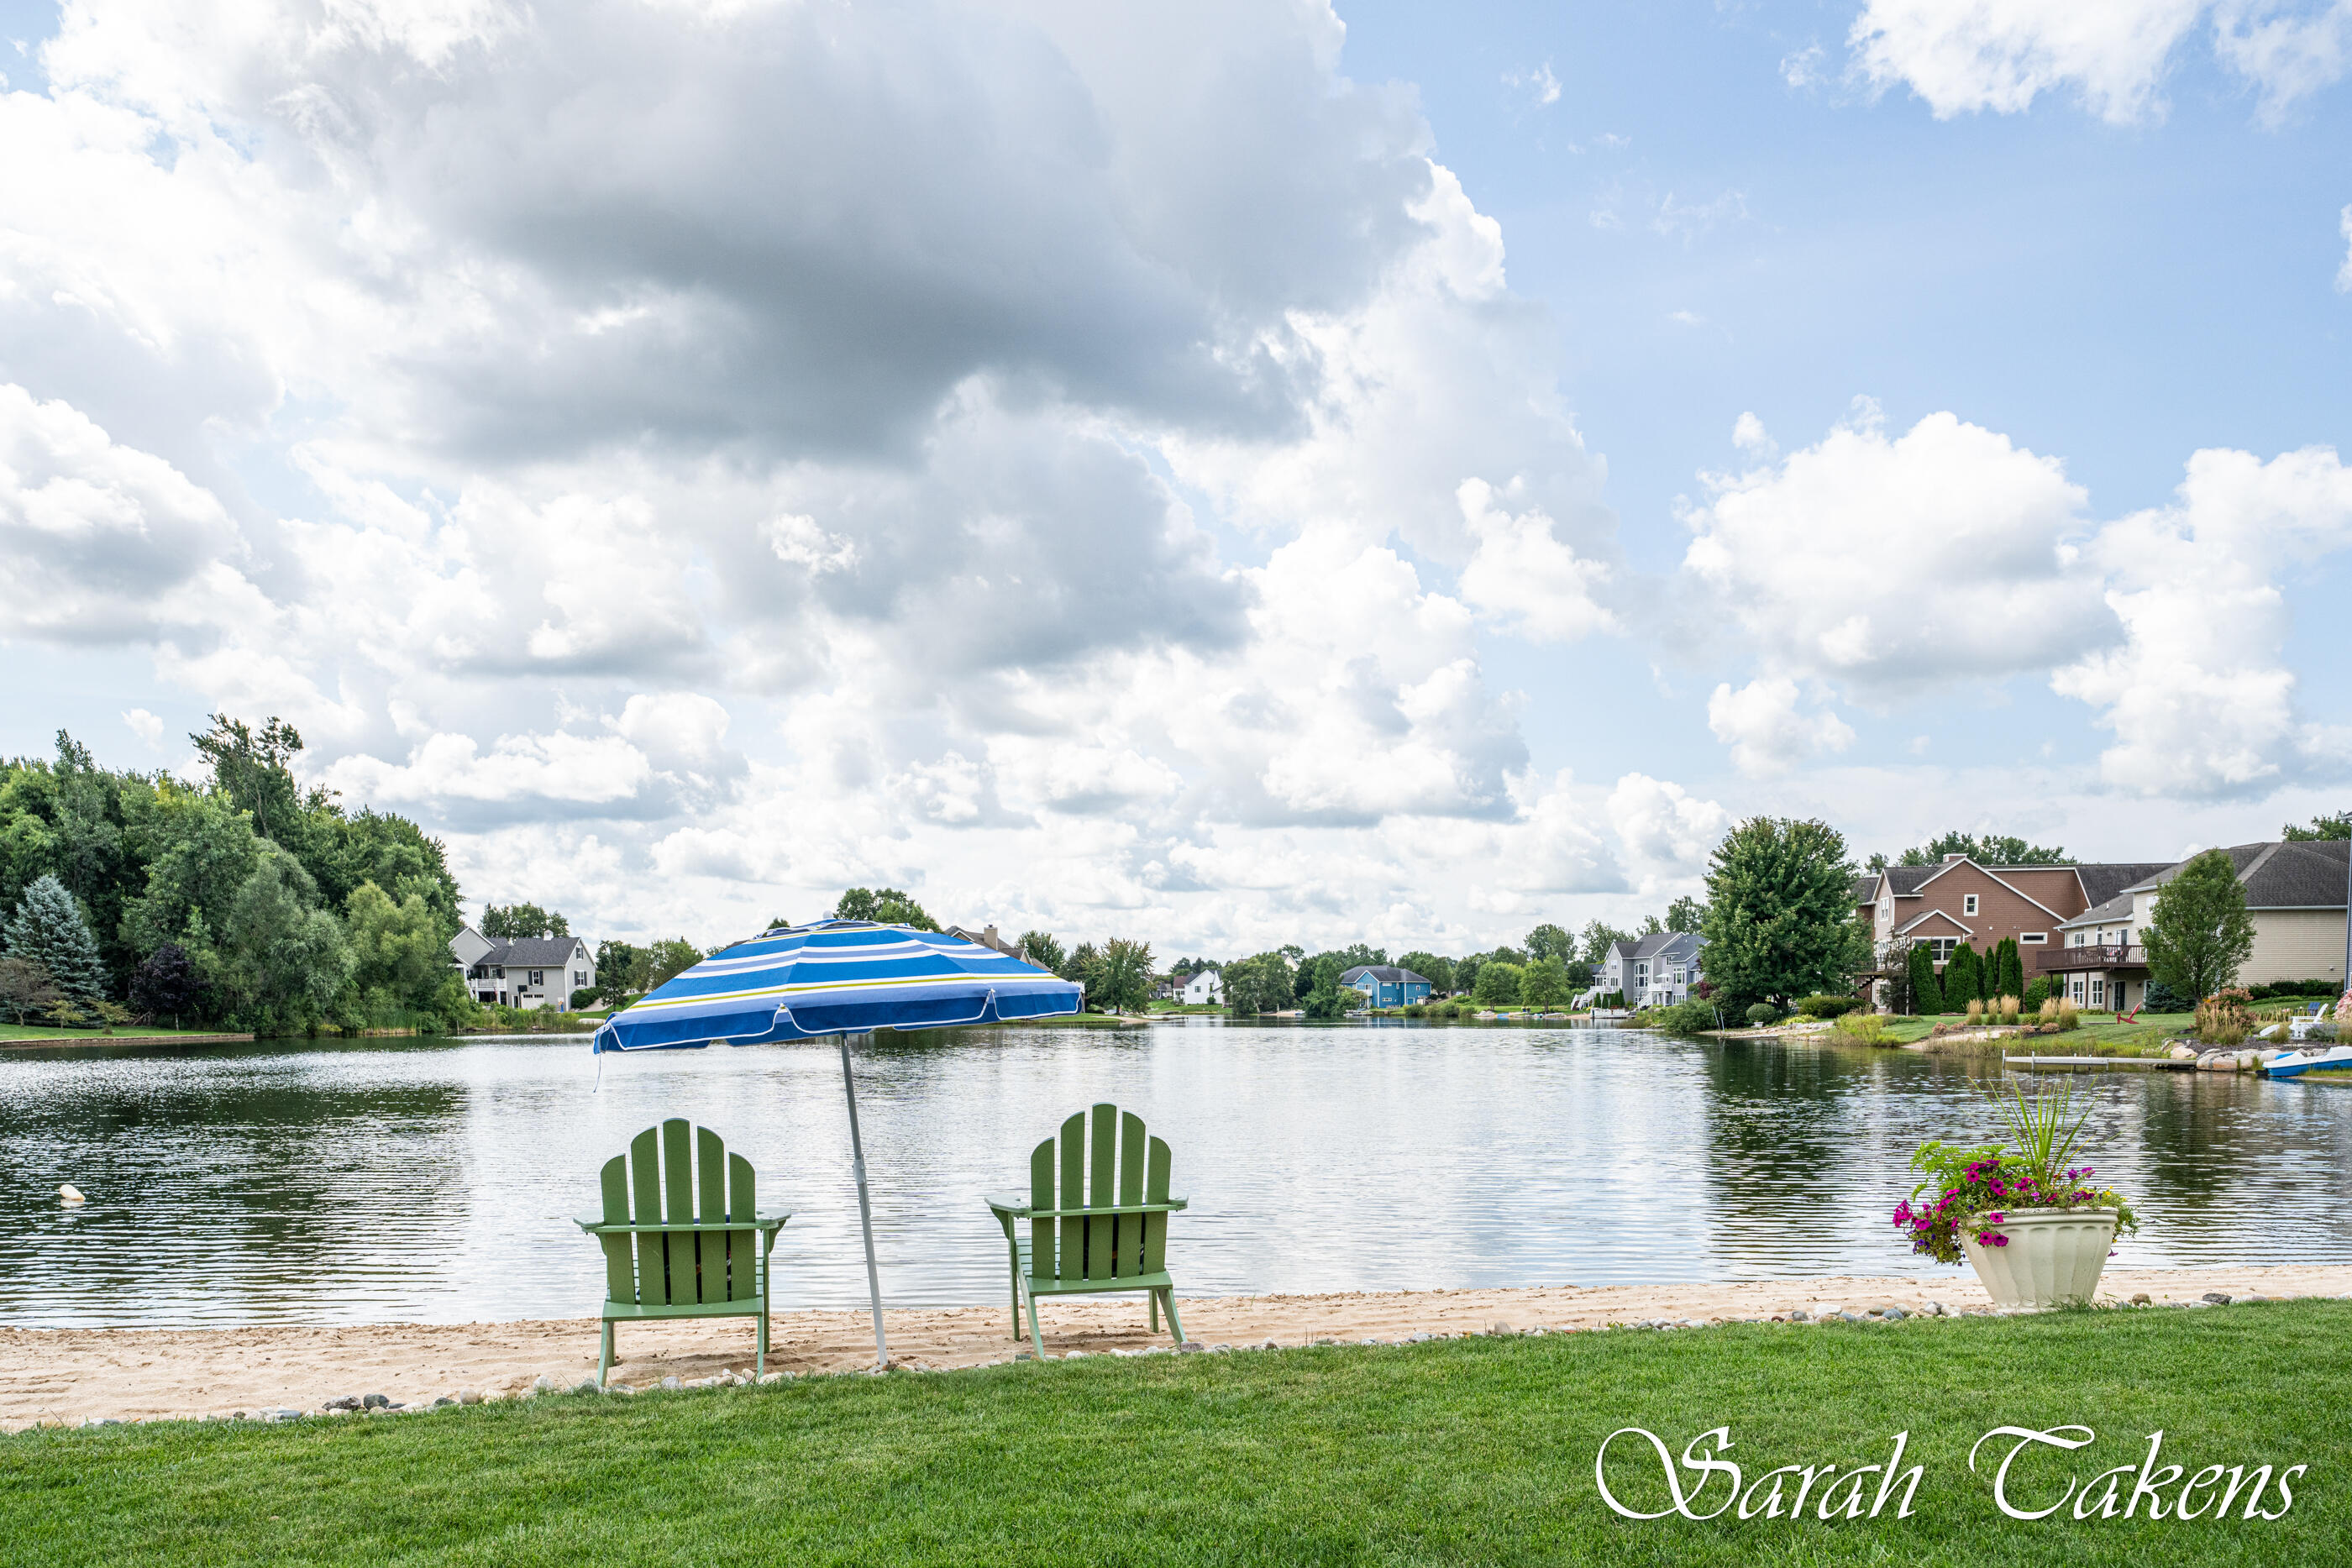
[{"x": 1228, "y": 473}]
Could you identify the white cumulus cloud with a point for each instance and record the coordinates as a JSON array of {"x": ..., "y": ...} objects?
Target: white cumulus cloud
[{"x": 1768, "y": 734}]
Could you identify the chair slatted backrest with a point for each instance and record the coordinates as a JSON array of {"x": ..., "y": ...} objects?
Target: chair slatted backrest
[
  {"x": 657, "y": 1183},
  {"x": 1104, "y": 1158}
]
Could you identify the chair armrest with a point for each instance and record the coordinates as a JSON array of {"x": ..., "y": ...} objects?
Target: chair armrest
[
  {"x": 766, "y": 1220},
  {"x": 1008, "y": 1209}
]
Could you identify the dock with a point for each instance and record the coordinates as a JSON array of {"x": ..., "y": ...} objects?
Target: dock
[{"x": 2163, "y": 1063}]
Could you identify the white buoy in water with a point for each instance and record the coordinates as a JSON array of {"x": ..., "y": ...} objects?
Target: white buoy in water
[{"x": 70, "y": 1195}]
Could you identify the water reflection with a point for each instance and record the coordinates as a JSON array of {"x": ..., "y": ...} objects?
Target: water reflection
[{"x": 434, "y": 1181}]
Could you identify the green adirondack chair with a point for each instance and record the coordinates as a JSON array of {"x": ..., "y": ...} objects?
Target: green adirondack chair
[
  {"x": 682, "y": 1236},
  {"x": 1097, "y": 1219}
]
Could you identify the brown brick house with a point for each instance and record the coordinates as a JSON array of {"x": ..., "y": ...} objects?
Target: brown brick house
[{"x": 1960, "y": 900}]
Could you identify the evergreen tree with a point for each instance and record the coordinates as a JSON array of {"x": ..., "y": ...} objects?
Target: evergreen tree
[
  {"x": 1963, "y": 979},
  {"x": 1926, "y": 990},
  {"x": 47, "y": 929},
  {"x": 2011, "y": 964},
  {"x": 1780, "y": 912},
  {"x": 2201, "y": 932}
]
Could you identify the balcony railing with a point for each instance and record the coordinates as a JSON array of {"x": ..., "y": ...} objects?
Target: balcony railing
[{"x": 2046, "y": 960}]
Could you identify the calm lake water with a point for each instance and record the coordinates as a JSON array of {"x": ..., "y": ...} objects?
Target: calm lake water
[{"x": 434, "y": 1181}]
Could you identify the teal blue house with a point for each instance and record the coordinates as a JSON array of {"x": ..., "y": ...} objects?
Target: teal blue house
[{"x": 1386, "y": 986}]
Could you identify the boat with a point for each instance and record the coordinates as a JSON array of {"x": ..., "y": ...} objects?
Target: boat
[{"x": 2334, "y": 1062}]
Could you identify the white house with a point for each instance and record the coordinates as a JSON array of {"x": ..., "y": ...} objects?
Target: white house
[
  {"x": 1653, "y": 971},
  {"x": 534, "y": 972},
  {"x": 1207, "y": 986}
]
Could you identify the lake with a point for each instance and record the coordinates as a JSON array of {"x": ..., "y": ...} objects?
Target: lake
[{"x": 434, "y": 1180}]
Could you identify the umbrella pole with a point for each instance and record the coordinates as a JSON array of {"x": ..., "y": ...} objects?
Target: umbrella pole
[{"x": 865, "y": 1208}]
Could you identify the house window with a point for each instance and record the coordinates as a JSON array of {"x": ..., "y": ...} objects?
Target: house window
[
  {"x": 2078, "y": 989},
  {"x": 2033, "y": 938},
  {"x": 2098, "y": 993},
  {"x": 579, "y": 978},
  {"x": 1941, "y": 947},
  {"x": 538, "y": 978},
  {"x": 2079, "y": 937},
  {"x": 1969, "y": 905}
]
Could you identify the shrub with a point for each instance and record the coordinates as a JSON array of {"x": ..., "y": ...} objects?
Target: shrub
[
  {"x": 1763, "y": 1013},
  {"x": 1963, "y": 979},
  {"x": 2313, "y": 989},
  {"x": 2038, "y": 990},
  {"x": 1862, "y": 1029},
  {"x": 2047, "y": 1011},
  {"x": 2223, "y": 1018},
  {"x": 1415, "y": 1009},
  {"x": 1827, "y": 1006},
  {"x": 1693, "y": 1016},
  {"x": 2006, "y": 1008},
  {"x": 1976, "y": 1013},
  {"x": 2068, "y": 1015}
]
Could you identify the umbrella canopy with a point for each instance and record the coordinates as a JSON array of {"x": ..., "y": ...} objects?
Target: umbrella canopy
[{"x": 837, "y": 977}]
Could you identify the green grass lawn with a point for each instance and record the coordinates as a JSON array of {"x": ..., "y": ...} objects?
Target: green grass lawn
[
  {"x": 2100, "y": 1034},
  {"x": 1471, "y": 1451},
  {"x": 94, "y": 1036}
]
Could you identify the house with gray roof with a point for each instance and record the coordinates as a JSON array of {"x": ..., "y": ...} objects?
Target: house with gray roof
[
  {"x": 2294, "y": 891},
  {"x": 1653, "y": 971},
  {"x": 529, "y": 972}
]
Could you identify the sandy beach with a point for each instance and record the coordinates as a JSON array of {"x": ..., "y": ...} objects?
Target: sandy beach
[{"x": 71, "y": 1375}]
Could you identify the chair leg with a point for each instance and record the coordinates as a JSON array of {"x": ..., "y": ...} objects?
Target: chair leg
[
  {"x": 1037, "y": 1338},
  {"x": 1174, "y": 1327},
  {"x": 1153, "y": 1298},
  {"x": 760, "y": 1362},
  {"x": 604, "y": 1361}
]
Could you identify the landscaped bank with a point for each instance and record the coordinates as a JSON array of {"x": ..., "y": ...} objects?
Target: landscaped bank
[{"x": 1472, "y": 1451}]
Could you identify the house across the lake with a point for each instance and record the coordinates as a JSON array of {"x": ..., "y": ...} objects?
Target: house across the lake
[
  {"x": 1386, "y": 986},
  {"x": 2294, "y": 891},
  {"x": 1202, "y": 986},
  {"x": 1653, "y": 971},
  {"x": 2082, "y": 924},
  {"x": 529, "y": 972}
]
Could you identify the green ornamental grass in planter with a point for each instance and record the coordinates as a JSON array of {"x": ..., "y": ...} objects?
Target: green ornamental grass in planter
[{"x": 2036, "y": 1230}]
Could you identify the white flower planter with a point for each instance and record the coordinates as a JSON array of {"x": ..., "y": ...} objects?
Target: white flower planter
[{"x": 2053, "y": 1258}]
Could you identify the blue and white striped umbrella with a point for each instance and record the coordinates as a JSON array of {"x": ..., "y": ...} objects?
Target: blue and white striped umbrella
[{"x": 837, "y": 977}]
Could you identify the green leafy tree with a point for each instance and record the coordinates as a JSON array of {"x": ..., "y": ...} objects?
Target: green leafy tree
[
  {"x": 885, "y": 906},
  {"x": 1686, "y": 914},
  {"x": 25, "y": 988},
  {"x": 522, "y": 923},
  {"x": 399, "y": 953},
  {"x": 2338, "y": 826},
  {"x": 1963, "y": 979},
  {"x": 1926, "y": 988},
  {"x": 253, "y": 767},
  {"x": 617, "y": 963},
  {"x": 1125, "y": 976},
  {"x": 1437, "y": 971},
  {"x": 1040, "y": 948},
  {"x": 47, "y": 929},
  {"x": 1544, "y": 985},
  {"x": 1551, "y": 942},
  {"x": 1258, "y": 984},
  {"x": 1780, "y": 920},
  {"x": 1498, "y": 985},
  {"x": 1990, "y": 850},
  {"x": 287, "y": 960},
  {"x": 1466, "y": 973},
  {"x": 2201, "y": 935},
  {"x": 1595, "y": 940},
  {"x": 665, "y": 960}
]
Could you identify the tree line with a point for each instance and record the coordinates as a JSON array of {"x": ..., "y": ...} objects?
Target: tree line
[{"x": 245, "y": 902}]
